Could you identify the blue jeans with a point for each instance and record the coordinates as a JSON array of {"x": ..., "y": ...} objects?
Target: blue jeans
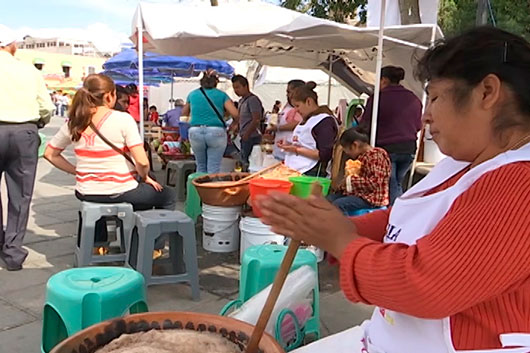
[
  {"x": 348, "y": 203},
  {"x": 208, "y": 144},
  {"x": 401, "y": 163}
]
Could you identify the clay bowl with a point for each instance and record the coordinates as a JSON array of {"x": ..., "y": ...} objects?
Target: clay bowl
[
  {"x": 217, "y": 189},
  {"x": 98, "y": 335}
]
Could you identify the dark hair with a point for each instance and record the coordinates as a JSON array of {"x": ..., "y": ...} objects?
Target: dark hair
[
  {"x": 352, "y": 135},
  {"x": 153, "y": 106},
  {"x": 121, "y": 91},
  {"x": 209, "y": 79},
  {"x": 469, "y": 57},
  {"x": 302, "y": 93},
  {"x": 87, "y": 98},
  {"x": 240, "y": 79},
  {"x": 395, "y": 74},
  {"x": 131, "y": 88},
  {"x": 295, "y": 83}
]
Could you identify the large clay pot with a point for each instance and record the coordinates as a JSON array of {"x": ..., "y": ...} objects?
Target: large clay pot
[
  {"x": 98, "y": 335},
  {"x": 217, "y": 189}
]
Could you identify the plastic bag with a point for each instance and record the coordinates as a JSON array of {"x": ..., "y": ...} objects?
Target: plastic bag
[{"x": 296, "y": 290}]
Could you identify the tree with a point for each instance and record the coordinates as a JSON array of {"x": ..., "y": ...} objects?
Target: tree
[
  {"x": 336, "y": 10},
  {"x": 456, "y": 16}
]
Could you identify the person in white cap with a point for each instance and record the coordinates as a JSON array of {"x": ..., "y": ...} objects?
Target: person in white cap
[{"x": 25, "y": 105}]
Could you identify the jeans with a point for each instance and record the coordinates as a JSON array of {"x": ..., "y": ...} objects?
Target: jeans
[
  {"x": 208, "y": 144},
  {"x": 143, "y": 197},
  {"x": 348, "y": 203},
  {"x": 401, "y": 163},
  {"x": 246, "y": 149}
]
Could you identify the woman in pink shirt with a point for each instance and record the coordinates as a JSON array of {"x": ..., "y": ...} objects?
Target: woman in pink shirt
[{"x": 288, "y": 119}]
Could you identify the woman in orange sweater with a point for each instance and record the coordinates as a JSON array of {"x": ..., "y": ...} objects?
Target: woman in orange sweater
[{"x": 448, "y": 266}]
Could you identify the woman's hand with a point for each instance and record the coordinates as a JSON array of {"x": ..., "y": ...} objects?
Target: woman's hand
[
  {"x": 314, "y": 221},
  {"x": 287, "y": 147},
  {"x": 154, "y": 184}
]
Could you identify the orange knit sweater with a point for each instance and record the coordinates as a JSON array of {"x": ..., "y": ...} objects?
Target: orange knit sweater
[{"x": 474, "y": 267}]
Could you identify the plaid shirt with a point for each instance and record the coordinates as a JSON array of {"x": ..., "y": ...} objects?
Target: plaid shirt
[{"x": 372, "y": 184}]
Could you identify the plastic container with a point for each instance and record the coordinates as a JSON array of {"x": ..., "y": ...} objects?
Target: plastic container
[
  {"x": 254, "y": 232},
  {"x": 220, "y": 228},
  {"x": 265, "y": 186},
  {"x": 302, "y": 185}
]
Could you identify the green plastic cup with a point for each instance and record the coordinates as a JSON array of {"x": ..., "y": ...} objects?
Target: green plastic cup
[{"x": 302, "y": 185}]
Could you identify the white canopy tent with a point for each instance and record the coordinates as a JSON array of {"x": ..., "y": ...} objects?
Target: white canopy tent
[{"x": 275, "y": 36}]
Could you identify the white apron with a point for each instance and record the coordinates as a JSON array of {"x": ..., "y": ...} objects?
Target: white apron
[
  {"x": 412, "y": 217},
  {"x": 302, "y": 137}
]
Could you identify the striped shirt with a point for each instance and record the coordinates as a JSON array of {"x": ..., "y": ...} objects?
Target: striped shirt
[{"x": 99, "y": 169}]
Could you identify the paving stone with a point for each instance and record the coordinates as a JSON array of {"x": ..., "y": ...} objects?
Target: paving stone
[
  {"x": 23, "y": 339},
  {"x": 12, "y": 317}
]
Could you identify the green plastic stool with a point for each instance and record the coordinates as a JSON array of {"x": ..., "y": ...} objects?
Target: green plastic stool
[
  {"x": 258, "y": 270},
  {"x": 193, "y": 202},
  {"x": 80, "y": 297},
  {"x": 42, "y": 145}
]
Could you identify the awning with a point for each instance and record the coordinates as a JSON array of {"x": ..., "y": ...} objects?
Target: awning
[
  {"x": 66, "y": 63},
  {"x": 277, "y": 37}
]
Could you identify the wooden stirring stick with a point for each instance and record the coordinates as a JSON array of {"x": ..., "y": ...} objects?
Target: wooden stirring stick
[{"x": 277, "y": 285}]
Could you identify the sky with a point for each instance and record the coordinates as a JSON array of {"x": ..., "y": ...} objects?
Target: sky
[{"x": 107, "y": 23}]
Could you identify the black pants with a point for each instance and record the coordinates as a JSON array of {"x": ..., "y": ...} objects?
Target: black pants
[
  {"x": 144, "y": 197},
  {"x": 19, "y": 144},
  {"x": 246, "y": 149}
]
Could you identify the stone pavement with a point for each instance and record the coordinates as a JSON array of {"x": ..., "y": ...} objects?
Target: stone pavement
[{"x": 50, "y": 240}]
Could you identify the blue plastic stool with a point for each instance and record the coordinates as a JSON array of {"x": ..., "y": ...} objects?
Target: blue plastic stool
[
  {"x": 365, "y": 211},
  {"x": 80, "y": 297},
  {"x": 258, "y": 270}
]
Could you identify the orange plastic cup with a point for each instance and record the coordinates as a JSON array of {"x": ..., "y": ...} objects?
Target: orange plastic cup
[{"x": 261, "y": 186}]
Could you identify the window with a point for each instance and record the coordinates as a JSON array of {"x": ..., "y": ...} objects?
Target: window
[
  {"x": 38, "y": 66},
  {"x": 66, "y": 71},
  {"x": 61, "y": 44}
]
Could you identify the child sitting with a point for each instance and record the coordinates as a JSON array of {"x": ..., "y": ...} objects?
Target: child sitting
[{"x": 366, "y": 181}]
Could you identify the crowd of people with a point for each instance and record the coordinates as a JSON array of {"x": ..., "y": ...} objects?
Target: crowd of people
[{"x": 446, "y": 264}]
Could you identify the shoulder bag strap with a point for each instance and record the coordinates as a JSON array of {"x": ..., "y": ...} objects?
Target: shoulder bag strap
[
  {"x": 113, "y": 146},
  {"x": 213, "y": 106}
]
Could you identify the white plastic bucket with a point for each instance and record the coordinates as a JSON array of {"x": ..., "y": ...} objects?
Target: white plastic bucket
[
  {"x": 220, "y": 228},
  {"x": 254, "y": 232}
]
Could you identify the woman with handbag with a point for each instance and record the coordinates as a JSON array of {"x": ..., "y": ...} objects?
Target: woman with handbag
[
  {"x": 112, "y": 165},
  {"x": 208, "y": 137}
]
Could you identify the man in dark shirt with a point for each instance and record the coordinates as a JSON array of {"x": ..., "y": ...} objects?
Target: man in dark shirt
[{"x": 250, "y": 116}]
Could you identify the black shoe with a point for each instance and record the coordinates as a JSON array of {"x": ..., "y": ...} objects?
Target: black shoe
[{"x": 8, "y": 266}]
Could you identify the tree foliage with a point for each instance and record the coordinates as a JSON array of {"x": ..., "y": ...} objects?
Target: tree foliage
[
  {"x": 456, "y": 16},
  {"x": 336, "y": 10}
]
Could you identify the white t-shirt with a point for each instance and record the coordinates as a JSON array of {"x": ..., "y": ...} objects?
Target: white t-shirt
[{"x": 99, "y": 169}]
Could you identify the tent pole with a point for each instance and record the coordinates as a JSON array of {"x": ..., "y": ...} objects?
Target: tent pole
[
  {"x": 421, "y": 135},
  {"x": 329, "y": 80},
  {"x": 139, "y": 26},
  {"x": 172, "y": 101},
  {"x": 379, "y": 64}
]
